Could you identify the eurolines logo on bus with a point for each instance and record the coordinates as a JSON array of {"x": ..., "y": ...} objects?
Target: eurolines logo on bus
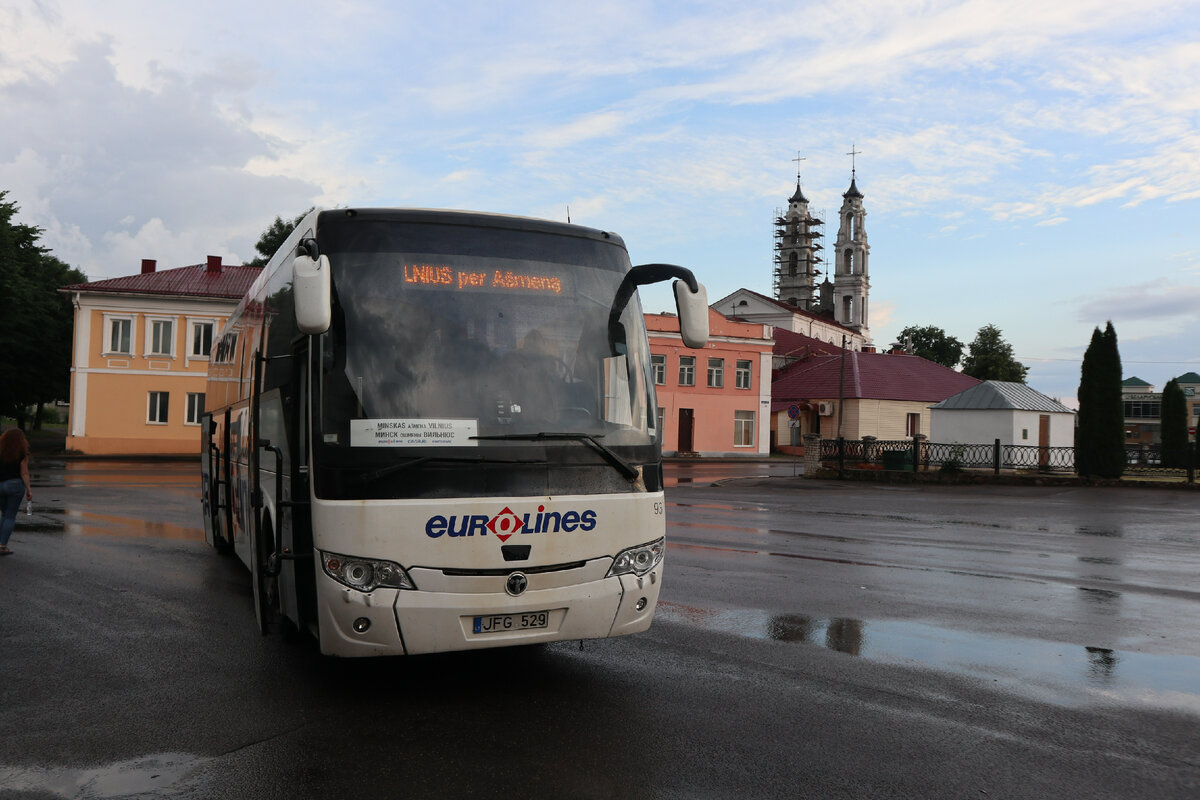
[{"x": 507, "y": 523}]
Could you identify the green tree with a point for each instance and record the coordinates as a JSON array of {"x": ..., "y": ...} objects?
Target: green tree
[
  {"x": 1100, "y": 429},
  {"x": 932, "y": 343},
  {"x": 990, "y": 358},
  {"x": 1174, "y": 426},
  {"x": 273, "y": 238},
  {"x": 38, "y": 321}
]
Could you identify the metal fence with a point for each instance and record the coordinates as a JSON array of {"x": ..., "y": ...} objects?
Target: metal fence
[{"x": 910, "y": 454}]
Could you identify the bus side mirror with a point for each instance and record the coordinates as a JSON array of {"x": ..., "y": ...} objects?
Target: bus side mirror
[
  {"x": 693, "y": 314},
  {"x": 312, "y": 294}
]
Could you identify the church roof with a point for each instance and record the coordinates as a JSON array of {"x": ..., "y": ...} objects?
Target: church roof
[
  {"x": 798, "y": 197},
  {"x": 1009, "y": 395},
  {"x": 853, "y": 190},
  {"x": 867, "y": 376},
  {"x": 724, "y": 302}
]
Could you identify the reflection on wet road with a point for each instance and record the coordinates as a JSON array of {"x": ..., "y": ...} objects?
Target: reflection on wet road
[
  {"x": 127, "y": 499},
  {"x": 813, "y": 639},
  {"x": 84, "y": 523},
  {"x": 1067, "y": 596},
  {"x": 1047, "y": 671},
  {"x": 686, "y": 471},
  {"x": 150, "y": 776}
]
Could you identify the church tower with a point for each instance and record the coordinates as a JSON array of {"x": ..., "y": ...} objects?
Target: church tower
[
  {"x": 797, "y": 252},
  {"x": 851, "y": 278}
]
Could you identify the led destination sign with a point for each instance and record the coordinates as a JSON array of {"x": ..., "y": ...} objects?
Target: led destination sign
[{"x": 445, "y": 276}]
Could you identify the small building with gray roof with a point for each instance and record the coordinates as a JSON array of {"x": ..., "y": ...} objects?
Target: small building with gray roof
[{"x": 1011, "y": 412}]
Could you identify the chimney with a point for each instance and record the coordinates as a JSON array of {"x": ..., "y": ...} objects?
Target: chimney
[
  {"x": 214, "y": 264},
  {"x": 147, "y": 265}
]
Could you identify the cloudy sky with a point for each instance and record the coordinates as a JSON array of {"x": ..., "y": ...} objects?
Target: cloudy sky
[{"x": 1031, "y": 165}]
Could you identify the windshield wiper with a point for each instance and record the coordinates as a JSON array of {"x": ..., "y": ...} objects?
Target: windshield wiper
[{"x": 621, "y": 465}]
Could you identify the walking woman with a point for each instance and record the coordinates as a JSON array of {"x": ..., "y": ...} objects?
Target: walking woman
[{"x": 14, "y": 481}]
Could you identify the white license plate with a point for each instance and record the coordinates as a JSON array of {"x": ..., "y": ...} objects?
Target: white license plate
[{"x": 500, "y": 623}]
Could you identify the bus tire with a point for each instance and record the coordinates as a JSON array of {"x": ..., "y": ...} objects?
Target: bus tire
[
  {"x": 268, "y": 609},
  {"x": 264, "y": 586},
  {"x": 221, "y": 542}
]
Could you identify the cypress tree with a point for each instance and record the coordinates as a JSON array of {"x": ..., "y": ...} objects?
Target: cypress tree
[
  {"x": 1112, "y": 432},
  {"x": 1174, "y": 426},
  {"x": 1085, "y": 419},
  {"x": 1100, "y": 438}
]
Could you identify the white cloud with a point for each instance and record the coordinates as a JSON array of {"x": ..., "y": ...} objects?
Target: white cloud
[
  {"x": 87, "y": 156},
  {"x": 1154, "y": 301},
  {"x": 983, "y": 125}
]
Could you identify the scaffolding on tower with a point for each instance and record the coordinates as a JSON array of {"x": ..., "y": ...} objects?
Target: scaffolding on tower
[{"x": 800, "y": 235}]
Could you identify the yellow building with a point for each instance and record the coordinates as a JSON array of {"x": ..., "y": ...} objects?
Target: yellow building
[{"x": 140, "y": 356}]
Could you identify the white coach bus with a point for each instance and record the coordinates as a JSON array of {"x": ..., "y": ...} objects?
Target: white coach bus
[{"x": 436, "y": 430}]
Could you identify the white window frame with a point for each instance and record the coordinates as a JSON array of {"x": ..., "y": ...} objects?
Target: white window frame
[
  {"x": 687, "y": 370},
  {"x": 743, "y": 375},
  {"x": 744, "y": 428},
  {"x": 158, "y": 404},
  {"x": 658, "y": 364},
  {"x": 912, "y": 424},
  {"x": 151, "y": 324},
  {"x": 716, "y": 373},
  {"x": 195, "y": 408},
  {"x": 109, "y": 348},
  {"x": 194, "y": 326}
]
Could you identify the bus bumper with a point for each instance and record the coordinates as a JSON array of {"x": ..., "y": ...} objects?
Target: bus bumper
[{"x": 411, "y": 622}]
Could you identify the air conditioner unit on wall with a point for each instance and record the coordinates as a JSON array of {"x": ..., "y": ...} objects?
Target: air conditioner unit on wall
[{"x": 825, "y": 409}]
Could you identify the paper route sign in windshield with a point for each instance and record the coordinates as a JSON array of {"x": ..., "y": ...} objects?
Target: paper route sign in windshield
[{"x": 413, "y": 432}]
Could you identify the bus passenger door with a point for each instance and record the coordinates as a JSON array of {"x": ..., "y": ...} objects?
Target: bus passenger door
[
  {"x": 208, "y": 480},
  {"x": 298, "y": 579},
  {"x": 214, "y": 472}
]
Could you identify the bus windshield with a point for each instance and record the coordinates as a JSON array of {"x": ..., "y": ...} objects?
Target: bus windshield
[{"x": 455, "y": 343}]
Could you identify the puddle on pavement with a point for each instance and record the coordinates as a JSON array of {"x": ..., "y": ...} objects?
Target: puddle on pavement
[
  {"x": 149, "y": 776},
  {"x": 1050, "y": 671},
  {"x": 87, "y": 523},
  {"x": 1105, "y": 531},
  {"x": 718, "y": 506},
  {"x": 157, "y": 475}
]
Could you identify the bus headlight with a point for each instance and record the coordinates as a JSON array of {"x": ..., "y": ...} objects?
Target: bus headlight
[
  {"x": 365, "y": 574},
  {"x": 638, "y": 560}
]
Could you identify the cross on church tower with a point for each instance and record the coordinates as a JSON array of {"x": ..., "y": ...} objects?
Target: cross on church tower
[
  {"x": 851, "y": 282},
  {"x": 797, "y": 246}
]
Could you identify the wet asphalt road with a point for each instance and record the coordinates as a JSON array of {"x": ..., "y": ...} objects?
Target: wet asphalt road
[{"x": 815, "y": 639}]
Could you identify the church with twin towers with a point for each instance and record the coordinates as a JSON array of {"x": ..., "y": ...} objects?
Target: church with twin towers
[{"x": 826, "y": 297}]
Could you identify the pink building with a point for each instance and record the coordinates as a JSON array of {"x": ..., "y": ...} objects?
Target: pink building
[{"x": 715, "y": 401}]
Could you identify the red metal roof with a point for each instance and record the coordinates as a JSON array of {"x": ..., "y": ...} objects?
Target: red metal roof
[
  {"x": 868, "y": 376},
  {"x": 194, "y": 281},
  {"x": 790, "y": 344}
]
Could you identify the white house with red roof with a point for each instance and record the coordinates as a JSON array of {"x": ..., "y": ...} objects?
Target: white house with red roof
[
  {"x": 852, "y": 394},
  {"x": 140, "y": 356}
]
